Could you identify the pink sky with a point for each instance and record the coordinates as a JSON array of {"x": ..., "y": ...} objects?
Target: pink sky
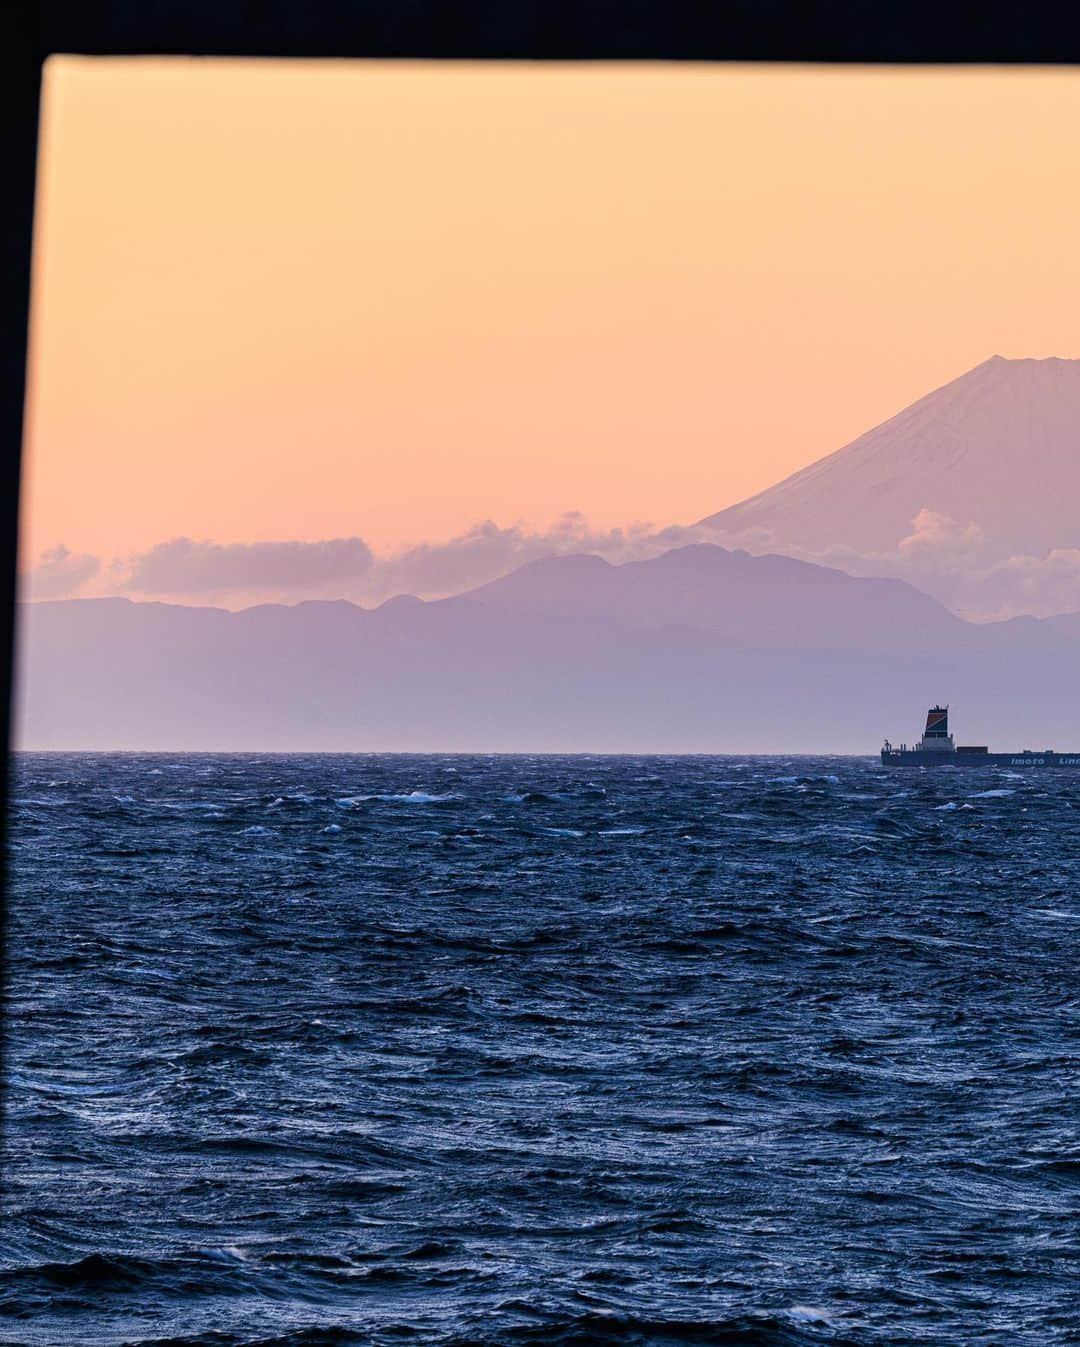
[{"x": 304, "y": 301}]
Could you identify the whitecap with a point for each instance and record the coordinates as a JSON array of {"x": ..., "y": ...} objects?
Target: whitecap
[
  {"x": 992, "y": 794},
  {"x": 412, "y": 797},
  {"x": 228, "y": 1253},
  {"x": 332, "y": 828},
  {"x": 810, "y": 1314}
]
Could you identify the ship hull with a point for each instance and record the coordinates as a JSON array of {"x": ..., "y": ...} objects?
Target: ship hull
[{"x": 916, "y": 757}]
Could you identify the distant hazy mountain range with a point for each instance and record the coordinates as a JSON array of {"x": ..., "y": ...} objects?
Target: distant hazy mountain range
[
  {"x": 972, "y": 492},
  {"x": 699, "y": 650},
  {"x": 997, "y": 449}
]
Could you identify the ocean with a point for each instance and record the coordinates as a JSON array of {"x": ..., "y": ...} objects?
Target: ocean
[{"x": 325, "y": 1050}]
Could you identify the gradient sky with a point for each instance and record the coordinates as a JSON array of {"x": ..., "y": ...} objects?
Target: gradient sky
[{"x": 301, "y": 301}]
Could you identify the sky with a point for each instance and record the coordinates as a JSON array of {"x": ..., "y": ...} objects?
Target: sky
[{"x": 304, "y": 315}]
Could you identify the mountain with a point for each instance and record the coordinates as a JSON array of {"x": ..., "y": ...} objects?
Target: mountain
[
  {"x": 998, "y": 448},
  {"x": 700, "y": 650},
  {"x": 768, "y": 602}
]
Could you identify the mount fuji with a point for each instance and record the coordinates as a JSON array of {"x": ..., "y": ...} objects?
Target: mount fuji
[{"x": 988, "y": 464}]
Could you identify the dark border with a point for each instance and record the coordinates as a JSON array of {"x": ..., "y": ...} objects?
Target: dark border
[{"x": 724, "y": 30}]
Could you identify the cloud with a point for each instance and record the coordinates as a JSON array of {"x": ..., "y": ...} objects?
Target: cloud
[
  {"x": 952, "y": 561},
  {"x": 1039, "y": 586},
  {"x": 956, "y": 563},
  {"x": 345, "y": 567},
  {"x": 486, "y": 551},
  {"x": 185, "y": 566},
  {"x": 933, "y": 533},
  {"x": 60, "y": 572}
]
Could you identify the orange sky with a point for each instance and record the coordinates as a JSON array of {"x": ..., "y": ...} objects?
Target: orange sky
[{"x": 299, "y": 301}]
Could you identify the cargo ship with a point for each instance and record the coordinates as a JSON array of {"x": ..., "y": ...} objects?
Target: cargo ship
[{"x": 936, "y": 749}]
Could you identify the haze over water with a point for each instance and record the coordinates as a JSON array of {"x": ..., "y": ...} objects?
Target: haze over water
[{"x": 501, "y": 1050}]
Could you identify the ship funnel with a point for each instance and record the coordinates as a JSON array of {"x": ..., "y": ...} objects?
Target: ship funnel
[{"x": 937, "y": 723}]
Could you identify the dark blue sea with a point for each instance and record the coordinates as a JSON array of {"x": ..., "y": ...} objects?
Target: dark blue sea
[{"x": 525, "y": 1050}]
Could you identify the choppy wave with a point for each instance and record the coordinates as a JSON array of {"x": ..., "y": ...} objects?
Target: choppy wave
[{"x": 310, "y": 1051}]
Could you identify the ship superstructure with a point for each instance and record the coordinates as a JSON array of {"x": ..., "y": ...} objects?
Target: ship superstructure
[{"x": 937, "y": 749}]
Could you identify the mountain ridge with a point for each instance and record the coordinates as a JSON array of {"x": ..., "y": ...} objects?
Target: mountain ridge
[{"x": 506, "y": 673}]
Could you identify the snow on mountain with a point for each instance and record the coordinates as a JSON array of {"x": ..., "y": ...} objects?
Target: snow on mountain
[{"x": 987, "y": 465}]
